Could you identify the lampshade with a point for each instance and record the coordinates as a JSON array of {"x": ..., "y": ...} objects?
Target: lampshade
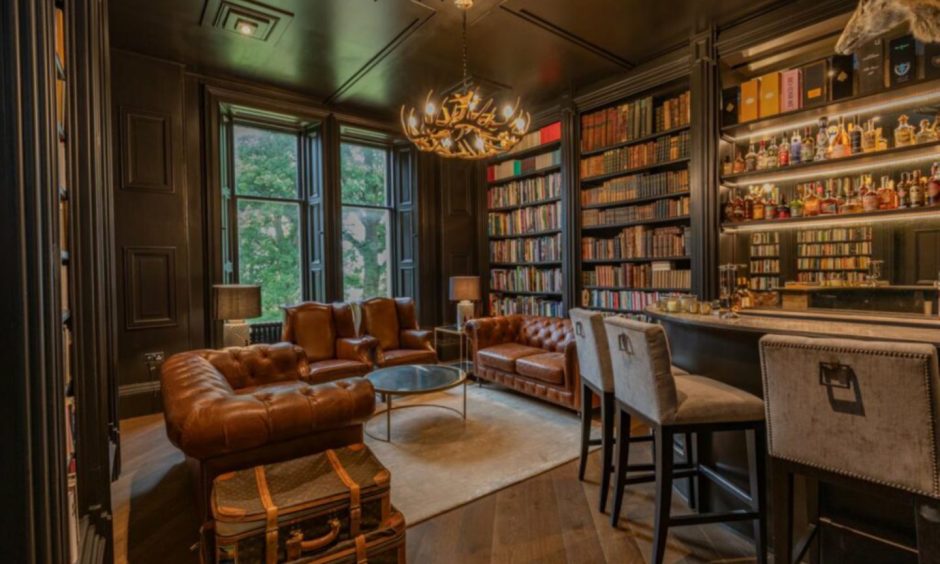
[
  {"x": 236, "y": 301},
  {"x": 464, "y": 288}
]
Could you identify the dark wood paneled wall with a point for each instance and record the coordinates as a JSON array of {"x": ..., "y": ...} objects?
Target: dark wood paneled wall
[{"x": 152, "y": 210}]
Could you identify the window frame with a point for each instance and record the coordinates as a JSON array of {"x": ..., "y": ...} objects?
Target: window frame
[{"x": 390, "y": 207}]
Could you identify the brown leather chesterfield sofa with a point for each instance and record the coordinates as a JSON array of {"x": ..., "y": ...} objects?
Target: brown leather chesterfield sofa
[
  {"x": 327, "y": 333},
  {"x": 243, "y": 406},
  {"x": 393, "y": 323},
  {"x": 535, "y": 355}
]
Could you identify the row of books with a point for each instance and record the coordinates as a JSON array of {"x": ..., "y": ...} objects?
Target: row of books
[
  {"x": 824, "y": 277},
  {"x": 633, "y": 120},
  {"x": 833, "y": 263},
  {"x": 639, "y": 242},
  {"x": 658, "y": 274},
  {"x": 625, "y": 188},
  {"x": 526, "y": 279},
  {"x": 834, "y": 235},
  {"x": 765, "y": 266},
  {"x": 833, "y": 249},
  {"x": 769, "y": 250},
  {"x": 515, "y": 167},
  {"x": 548, "y": 134},
  {"x": 663, "y": 149},
  {"x": 662, "y": 209},
  {"x": 531, "y": 249},
  {"x": 526, "y": 305},
  {"x": 524, "y": 191},
  {"x": 764, "y": 283},
  {"x": 525, "y": 220},
  {"x": 765, "y": 238},
  {"x": 625, "y": 300}
]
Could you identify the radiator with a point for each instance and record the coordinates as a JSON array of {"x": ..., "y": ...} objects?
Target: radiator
[{"x": 266, "y": 332}]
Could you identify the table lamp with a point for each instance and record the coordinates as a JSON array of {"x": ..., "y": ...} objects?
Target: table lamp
[
  {"x": 464, "y": 290},
  {"x": 234, "y": 303}
]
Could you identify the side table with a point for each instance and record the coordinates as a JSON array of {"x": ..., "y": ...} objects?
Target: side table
[{"x": 463, "y": 361}]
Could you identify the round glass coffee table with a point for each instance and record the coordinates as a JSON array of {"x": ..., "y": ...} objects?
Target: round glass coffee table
[{"x": 411, "y": 380}]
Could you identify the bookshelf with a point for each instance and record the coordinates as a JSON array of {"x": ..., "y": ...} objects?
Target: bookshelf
[
  {"x": 840, "y": 255},
  {"x": 524, "y": 201},
  {"x": 634, "y": 201}
]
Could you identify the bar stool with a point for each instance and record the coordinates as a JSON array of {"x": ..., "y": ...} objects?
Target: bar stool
[
  {"x": 597, "y": 379},
  {"x": 646, "y": 388},
  {"x": 860, "y": 414}
]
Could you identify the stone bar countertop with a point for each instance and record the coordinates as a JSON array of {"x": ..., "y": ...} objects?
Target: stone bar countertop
[{"x": 861, "y": 326}]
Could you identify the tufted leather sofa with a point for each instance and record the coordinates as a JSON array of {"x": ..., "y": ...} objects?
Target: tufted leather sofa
[
  {"x": 394, "y": 325},
  {"x": 327, "y": 333},
  {"x": 535, "y": 355},
  {"x": 243, "y": 406}
]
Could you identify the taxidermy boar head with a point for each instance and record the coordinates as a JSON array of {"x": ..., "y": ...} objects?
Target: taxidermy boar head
[{"x": 876, "y": 17}]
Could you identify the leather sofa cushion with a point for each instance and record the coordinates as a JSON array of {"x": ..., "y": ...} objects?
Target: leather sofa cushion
[
  {"x": 704, "y": 400},
  {"x": 408, "y": 356},
  {"x": 504, "y": 356},
  {"x": 312, "y": 329},
  {"x": 257, "y": 365},
  {"x": 548, "y": 367},
  {"x": 336, "y": 369},
  {"x": 380, "y": 318}
]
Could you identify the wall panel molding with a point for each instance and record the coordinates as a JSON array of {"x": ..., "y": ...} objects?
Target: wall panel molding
[
  {"x": 150, "y": 287},
  {"x": 146, "y": 151}
]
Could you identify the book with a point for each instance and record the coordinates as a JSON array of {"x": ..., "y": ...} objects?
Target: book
[
  {"x": 841, "y": 76},
  {"x": 749, "y": 100},
  {"x": 791, "y": 90},
  {"x": 814, "y": 84},
  {"x": 870, "y": 61},
  {"x": 903, "y": 59},
  {"x": 932, "y": 60}
]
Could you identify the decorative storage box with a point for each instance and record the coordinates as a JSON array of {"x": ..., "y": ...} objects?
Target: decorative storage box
[
  {"x": 791, "y": 90},
  {"x": 814, "y": 84},
  {"x": 306, "y": 506},
  {"x": 870, "y": 59},
  {"x": 749, "y": 101},
  {"x": 769, "y": 104}
]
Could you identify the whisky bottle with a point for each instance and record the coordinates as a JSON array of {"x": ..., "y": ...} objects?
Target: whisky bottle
[
  {"x": 728, "y": 208},
  {"x": 933, "y": 187},
  {"x": 758, "y": 207},
  {"x": 840, "y": 146},
  {"x": 903, "y": 133},
  {"x": 852, "y": 202},
  {"x": 727, "y": 167},
  {"x": 738, "y": 208},
  {"x": 887, "y": 195},
  {"x": 739, "y": 164},
  {"x": 749, "y": 204},
  {"x": 829, "y": 204},
  {"x": 762, "y": 157},
  {"x": 870, "y": 137},
  {"x": 916, "y": 190},
  {"x": 796, "y": 148},
  {"x": 811, "y": 201},
  {"x": 822, "y": 140},
  {"x": 783, "y": 208},
  {"x": 870, "y": 201},
  {"x": 926, "y": 134},
  {"x": 750, "y": 159},
  {"x": 903, "y": 190},
  {"x": 855, "y": 137},
  {"x": 796, "y": 203},
  {"x": 783, "y": 152}
]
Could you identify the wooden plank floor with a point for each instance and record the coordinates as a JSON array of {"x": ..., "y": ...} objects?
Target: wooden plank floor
[{"x": 549, "y": 518}]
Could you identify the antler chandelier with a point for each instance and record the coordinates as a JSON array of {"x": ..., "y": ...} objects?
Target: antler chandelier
[{"x": 462, "y": 125}]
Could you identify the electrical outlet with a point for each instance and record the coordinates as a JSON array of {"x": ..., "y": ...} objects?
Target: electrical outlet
[{"x": 153, "y": 357}]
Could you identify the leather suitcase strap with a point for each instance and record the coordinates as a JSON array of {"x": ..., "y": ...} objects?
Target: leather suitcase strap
[
  {"x": 361, "y": 550},
  {"x": 355, "y": 511},
  {"x": 270, "y": 511}
]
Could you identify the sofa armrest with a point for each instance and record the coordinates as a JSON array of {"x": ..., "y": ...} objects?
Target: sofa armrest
[
  {"x": 360, "y": 349},
  {"x": 206, "y": 418},
  {"x": 415, "y": 339},
  {"x": 572, "y": 368},
  {"x": 489, "y": 331}
]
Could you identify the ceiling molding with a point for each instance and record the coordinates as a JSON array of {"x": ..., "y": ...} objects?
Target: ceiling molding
[
  {"x": 666, "y": 69},
  {"x": 572, "y": 38},
  {"x": 397, "y": 41}
]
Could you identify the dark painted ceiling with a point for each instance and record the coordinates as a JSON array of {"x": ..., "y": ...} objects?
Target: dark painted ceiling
[{"x": 377, "y": 54}]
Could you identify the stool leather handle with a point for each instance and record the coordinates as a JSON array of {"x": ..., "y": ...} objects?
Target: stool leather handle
[
  {"x": 624, "y": 344},
  {"x": 578, "y": 329}
]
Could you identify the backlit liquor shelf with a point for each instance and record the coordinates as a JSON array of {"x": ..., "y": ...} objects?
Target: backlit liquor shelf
[{"x": 906, "y": 214}]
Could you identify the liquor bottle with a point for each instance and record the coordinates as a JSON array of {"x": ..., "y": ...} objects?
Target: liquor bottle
[
  {"x": 829, "y": 204},
  {"x": 839, "y": 144},
  {"x": 870, "y": 137},
  {"x": 762, "y": 156},
  {"x": 738, "y": 207},
  {"x": 750, "y": 159},
  {"x": 727, "y": 167},
  {"x": 855, "y": 137},
  {"x": 728, "y": 208},
  {"x": 739, "y": 164},
  {"x": 927, "y": 133},
  {"x": 822, "y": 140},
  {"x": 783, "y": 152},
  {"x": 807, "y": 147},
  {"x": 796, "y": 148},
  {"x": 933, "y": 187},
  {"x": 870, "y": 200},
  {"x": 758, "y": 207},
  {"x": 811, "y": 201},
  {"x": 903, "y": 133},
  {"x": 796, "y": 204},
  {"x": 852, "y": 202},
  {"x": 783, "y": 209},
  {"x": 887, "y": 195},
  {"x": 749, "y": 204},
  {"x": 903, "y": 189},
  {"x": 916, "y": 190}
]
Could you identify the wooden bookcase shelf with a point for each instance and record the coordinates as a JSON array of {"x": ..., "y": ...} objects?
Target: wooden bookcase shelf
[
  {"x": 524, "y": 175},
  {"x": 525, "y": 153},
  {"x": 627, "y": 114}
]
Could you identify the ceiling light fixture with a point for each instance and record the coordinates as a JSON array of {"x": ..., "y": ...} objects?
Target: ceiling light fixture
[{"x": 462, "y": 124}]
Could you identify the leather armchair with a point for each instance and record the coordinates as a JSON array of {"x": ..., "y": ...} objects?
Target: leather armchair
[
  {"x": 327, "y": 334},
  {"x": 243, "y": 406},
  {"x": 535, "y": 355},
  {"x": 394, "y": 325}
]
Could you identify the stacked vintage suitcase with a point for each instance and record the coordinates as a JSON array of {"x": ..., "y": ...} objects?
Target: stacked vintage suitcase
[{"x": 331, "y": 507}]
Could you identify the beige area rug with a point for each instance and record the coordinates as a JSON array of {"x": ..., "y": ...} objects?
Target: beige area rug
[{"x": 439, "y": 462}]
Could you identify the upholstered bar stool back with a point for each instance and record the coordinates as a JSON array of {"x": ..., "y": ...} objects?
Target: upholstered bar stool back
[
  {"x": 867, "y": 410},
  {"x": 593, "y": 352},
  {"x": 643, "y": 375}
]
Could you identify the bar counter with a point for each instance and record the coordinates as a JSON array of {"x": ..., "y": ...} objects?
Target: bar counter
[{"x": 727, "y": 350}]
